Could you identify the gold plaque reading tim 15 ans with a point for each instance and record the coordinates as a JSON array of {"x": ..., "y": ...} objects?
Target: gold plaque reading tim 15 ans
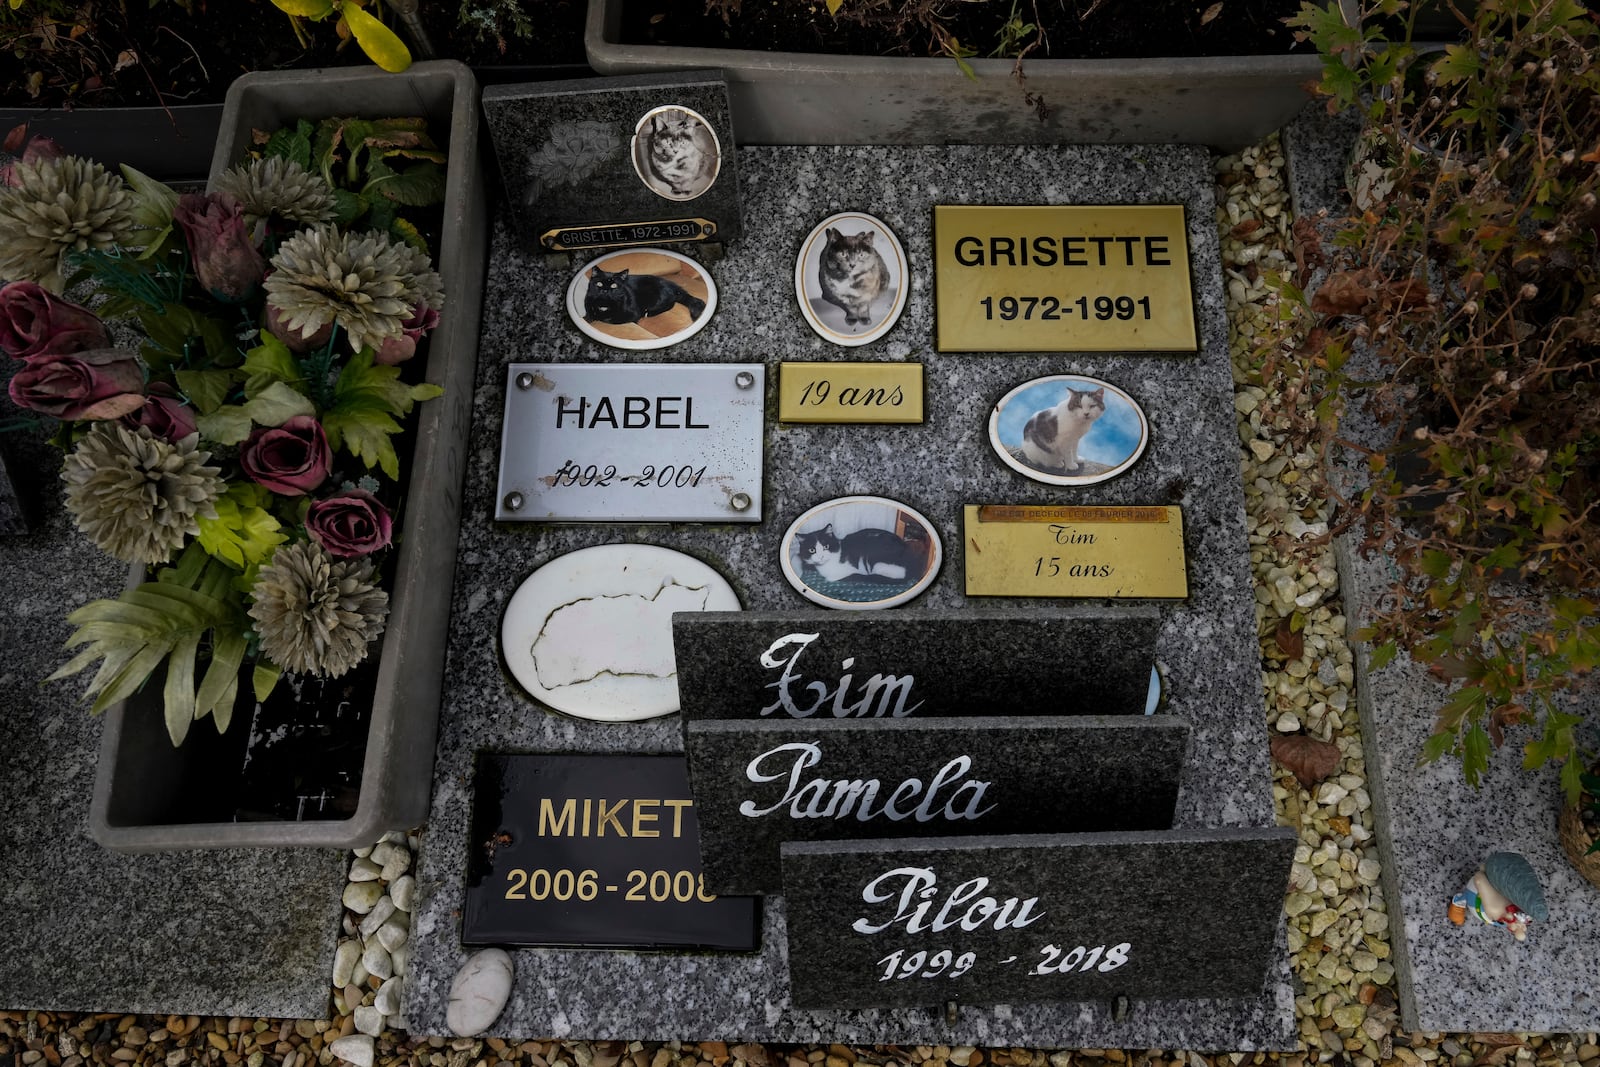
[
  {"x": 1024, "y": 550},
  {"x": 1060, "y": 279},
  {"x": 850, "y": 392}
]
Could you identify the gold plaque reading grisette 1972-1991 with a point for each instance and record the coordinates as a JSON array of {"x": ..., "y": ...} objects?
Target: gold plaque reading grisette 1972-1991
[
  {"x": 1058, "y": 279},
  {"x": 1027, "y": 550}
]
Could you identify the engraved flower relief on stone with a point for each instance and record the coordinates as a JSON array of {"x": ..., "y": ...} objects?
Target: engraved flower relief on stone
[{"x": 575, "y": 152}]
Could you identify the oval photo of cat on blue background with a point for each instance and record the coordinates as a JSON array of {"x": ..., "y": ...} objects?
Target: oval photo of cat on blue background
[
  {"x": 642, "y": 298},
  {"x": 1068, "y": 429},
  {"x": 850, "y": 278},
  {"x": 676, "y": 152},
  {"x": 861, "y": 552}
]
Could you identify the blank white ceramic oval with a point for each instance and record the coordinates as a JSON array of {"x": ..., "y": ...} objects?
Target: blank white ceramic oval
[
  {"x": 1114, "y": 442},
  {"x": 636, "y": 336},
  {"x": 812, "y": 573},
  {"x": 829, "y": 319},
  {"x": 590, "y": 632}
]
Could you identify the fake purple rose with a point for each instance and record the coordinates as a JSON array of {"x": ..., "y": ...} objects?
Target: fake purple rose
[
  {"x": 38, "y": 147},
  {"x": 35, "y": 322},
  {"x": 401, "y": 348},
  {"x": 292, "y": 338},
  {"x": 225, "y": 261},
  {"x": 291, "y": 459},
  {"x": 102, "y": 383},
  {"x": 350, "y": 524},
  {"x": 164, "y": 414}
]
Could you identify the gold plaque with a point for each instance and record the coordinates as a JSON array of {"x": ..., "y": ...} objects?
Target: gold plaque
[
  {"x": 850, "y": 392},
  {"x": 1025, "y": 550},
  {"x": 573, "y": 238},
  {"x": 1062, "y": 279}
]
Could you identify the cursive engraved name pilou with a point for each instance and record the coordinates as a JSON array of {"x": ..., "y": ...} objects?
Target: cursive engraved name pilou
[
  {"x": 916, "y": 897},
  {"x": 823, "y": 798},
  {"x": 879, "y": 695}
]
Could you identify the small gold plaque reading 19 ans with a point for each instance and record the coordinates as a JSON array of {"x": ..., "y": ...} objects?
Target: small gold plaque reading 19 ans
[
  {"x": 1027, "y": 550},
  {"x": 1062, "y": 279},
  {"x": 850, "y": 392}
]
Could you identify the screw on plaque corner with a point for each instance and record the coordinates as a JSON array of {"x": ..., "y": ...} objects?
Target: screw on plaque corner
[
  {"x": 744, "y": 379},
  {"x": 951, "y": 1010},
  {"x": 513, "y": 501},
  {"x": 524, "y": 380},
  {"x": 740, "y": 502},
  {"x": 1119, "y": 1008}
]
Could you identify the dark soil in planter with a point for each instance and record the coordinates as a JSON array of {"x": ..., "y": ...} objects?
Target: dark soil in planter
[
  {"x": 136, "y": 53},
  {"x": 1083, "y": 29}
]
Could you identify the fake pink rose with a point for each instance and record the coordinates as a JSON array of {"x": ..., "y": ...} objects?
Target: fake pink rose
[
  {"x": 225, "y": 262},
  {"x": 293, "y": 339},
  {"x": 166, "y": 416},
  {"x": 291, "y": 459},
  {"x": 102, "y": 383},
  {"x": 351, "y": 524},
  {"x": 36, "y": 322},
  {"x": 399, "y": 349},
  {"x": 38, "y": 147}
]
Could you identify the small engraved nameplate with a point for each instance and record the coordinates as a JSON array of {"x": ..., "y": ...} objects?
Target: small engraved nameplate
[
  {"x": 632, "y": 442},
  {"x": 1027, "y": 550},
  {"x": 1062, "y": 279},
  {"x": 571, "y": 238},
  {"x": 850, "y": 392}
]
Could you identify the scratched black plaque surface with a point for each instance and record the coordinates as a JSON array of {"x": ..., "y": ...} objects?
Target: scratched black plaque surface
[
  {"x": 1165, "y": 914},
  {"x": 645, "y": 891}
]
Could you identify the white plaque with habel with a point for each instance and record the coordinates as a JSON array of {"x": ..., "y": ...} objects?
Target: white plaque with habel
[{"x": 632, "y": 442}]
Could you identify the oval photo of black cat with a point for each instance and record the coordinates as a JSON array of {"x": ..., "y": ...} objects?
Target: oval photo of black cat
[
  {"x": 860, "y": 552},
  {"x": 851, "y": 278},
  {"x": 676, "y": 152},
  {"x": 642, "y": 298},
  {"x": 1068, "y": 430}
]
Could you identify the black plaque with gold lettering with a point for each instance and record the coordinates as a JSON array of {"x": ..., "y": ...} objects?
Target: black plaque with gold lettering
[{"x": 593, "y": 850}]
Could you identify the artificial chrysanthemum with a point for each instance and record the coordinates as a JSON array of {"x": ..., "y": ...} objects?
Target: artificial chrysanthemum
[
  {"x": 59, "y": 206},
  {"x": 366, "y": 284},
  {"x": 278, "y": 187},
  {"x": 316, "y": 615},
  {"x": 136, "y": 495}
]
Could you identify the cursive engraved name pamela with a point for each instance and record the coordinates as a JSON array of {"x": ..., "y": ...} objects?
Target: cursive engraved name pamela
[
  {"x": 823, "y": 798},
  {"x": 880, "y": 695}
]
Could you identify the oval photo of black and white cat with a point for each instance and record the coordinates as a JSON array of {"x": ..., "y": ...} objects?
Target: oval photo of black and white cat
[
  {"x": 642, "y": 298},
  {"x": 1068, "y": 430},
  {"x": 676, "y": 152},
  {"x": 861, "y": 552},
  {"x": 851, "y": 278}
]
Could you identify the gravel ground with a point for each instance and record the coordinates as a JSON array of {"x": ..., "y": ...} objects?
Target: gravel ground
[{"x": 1338, "y": 925}]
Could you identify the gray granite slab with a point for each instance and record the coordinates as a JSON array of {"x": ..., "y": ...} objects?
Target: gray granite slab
[
  {"x": 17, "y": 506},
  {"x": 209, "y": 933},
  {"x": 986, "y": 920},
  {"x": 759, "y": 784},
  {"x": 1433, "y": 830},
  {"x": 753, "y": 665},
  {"x": 1206, "y": 648}
]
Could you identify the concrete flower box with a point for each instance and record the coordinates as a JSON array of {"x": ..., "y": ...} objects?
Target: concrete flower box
[
  {"x": 800, "y": 98},
  {"x": 140, "y": 803}
]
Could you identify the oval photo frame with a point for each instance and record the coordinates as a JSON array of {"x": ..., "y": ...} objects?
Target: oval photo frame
[
  {"x": 858, "y": 553},
  {"x": 1041, "y": 427},
  {"x": 629, "y": 591},
  {"x": 675, "y": 152},
  {"x": 832, "y": 279},
  {"x": 641, "y": 298}
]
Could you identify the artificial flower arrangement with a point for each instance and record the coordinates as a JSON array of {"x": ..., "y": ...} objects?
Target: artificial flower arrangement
[{"x": 245, "y": 452}]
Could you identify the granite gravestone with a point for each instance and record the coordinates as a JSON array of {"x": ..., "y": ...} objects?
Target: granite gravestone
[
  {"x": 592, "y": 850},
  {"x": 612, "y": 162},
  {"x": 1173, "y": 913},
  {"x": 828, "y": 665},
  {"x": 759, "y": 784}
]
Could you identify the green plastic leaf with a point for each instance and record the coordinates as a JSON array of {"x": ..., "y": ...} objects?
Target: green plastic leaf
[
  {"x": 277, "y": 404},
  {"x": 269, "y": 362},
  {"x": 264, "y": 679},
  {"x": 178, "y": 695},
  {"x": 153, "y": 204},
  {"x": 243, "y": 532},
  {"x": 221, "y": 683},
  {"x": 228, "y": 425},
  {"x": 206, "y": 389},
  {"x": 378, "y": 41}
]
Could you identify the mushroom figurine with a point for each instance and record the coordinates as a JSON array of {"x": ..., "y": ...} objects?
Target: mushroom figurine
[{"x": 1505, "y": 891}]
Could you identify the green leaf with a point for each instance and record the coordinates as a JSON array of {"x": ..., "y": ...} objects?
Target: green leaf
[
  {"x": 1474, "y": 755},
  {"x": 228, "y": 425},
  {"x": 408, "y": 233},
  {"x": 306, "y": 9},
  {"x": 243, "y": 532},
  {"x": 293, "y": 143},
  {"x": 206, "y": 389},
  {"x": 419, "y": 185},
  {"x": 152, "y": 210},
  {"x": 1436, "y": 746},
  {"x": 365, "y": 435},
  {"x": 1381, "y": 656},
  {"x": 178, "y": 696},
  {"x": 1459, "y": 64},
  {"x": 269, "y": 362},
  {"x": 277, "y": 404},
  {"x": 378, "y": 41},
  {"x": 347, "y": 207},
  {"x": 221, "y": 683},
  {"x": 264, "y": 679}
]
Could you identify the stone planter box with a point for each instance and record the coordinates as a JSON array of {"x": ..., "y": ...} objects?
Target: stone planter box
[
  {"x": 800, "y": 98},
  {"x": 139, "y": 800}
]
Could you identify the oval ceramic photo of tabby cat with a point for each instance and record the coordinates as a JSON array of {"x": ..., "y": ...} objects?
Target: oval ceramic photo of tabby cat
[
  {"x": 860, "y": 552},
  {"x": 642, "y": 298},
  {"x": 1068, "y": 430},
  {"x": 676, "y": 152},
  {"x": 851, "y": 278}
]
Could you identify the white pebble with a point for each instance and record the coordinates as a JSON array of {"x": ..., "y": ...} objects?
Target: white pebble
[
  {"x": 402, "y": 891},
  {"x": 375, "y": 958},
  {"x": 1331, "y": 793},
  {"x": 369, "y": 1020},
  {"x": 479, "y": 992},
  {"x": 364, "y": 870},
  {"x": 359, "y": 976},
  {"x": 364, "y": 852},
  {"x": 400, "y": 957},
  {"x": 357, "y": 1049},
  {"x": 387, "y": 999},
  {"x": 361, "y": 897},
  {"x": 344, "y": 961},
  {"x": 1288, "y": 723},
  {"x": 378, "y": 916},
  {"x": 393, "y": 934},
  {"x": 398, "y": 864},
  {"x": 382, "y": 852}
]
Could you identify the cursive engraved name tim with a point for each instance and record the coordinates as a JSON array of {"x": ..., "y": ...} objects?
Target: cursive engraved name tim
[{"x": 880, "y": 695}]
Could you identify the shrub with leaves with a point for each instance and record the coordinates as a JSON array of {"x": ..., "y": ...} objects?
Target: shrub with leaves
[
  {"x": 246, "y": 452},
  {"x": 351, "y": 19},
  {"x": 1471, "y": 281}
]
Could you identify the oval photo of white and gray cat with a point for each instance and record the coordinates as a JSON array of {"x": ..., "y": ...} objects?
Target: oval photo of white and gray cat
[
  {"x": 860, "y": 552},
  {"x": 1068, "y": 430},
  {"x": 642, "y": 298},
  {"x": 676, "y": 152},
  {"x": 851, "y": 278}
]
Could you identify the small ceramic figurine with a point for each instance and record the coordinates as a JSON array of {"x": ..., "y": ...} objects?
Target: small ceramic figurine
[{"x": 1505, "y": 891}]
